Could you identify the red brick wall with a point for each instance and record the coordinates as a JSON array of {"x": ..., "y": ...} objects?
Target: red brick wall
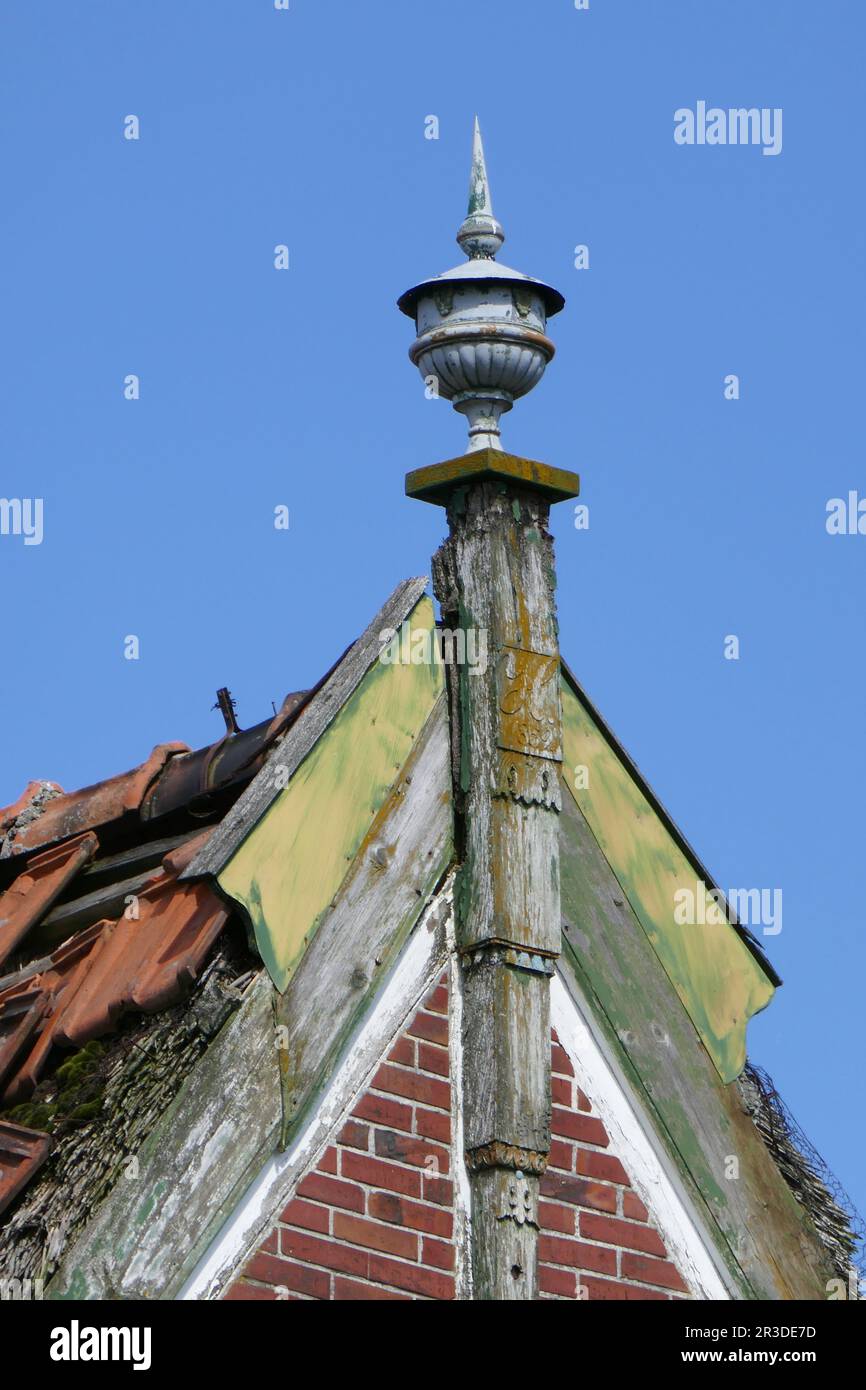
[
  {"x": 374, "y": 1217},
  {"x": 597, "y": 1238}
]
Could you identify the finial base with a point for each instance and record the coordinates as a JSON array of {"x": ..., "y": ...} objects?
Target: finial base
[
  {"x": 439, "y": 481},
  {"x": 483, "y": 413}
]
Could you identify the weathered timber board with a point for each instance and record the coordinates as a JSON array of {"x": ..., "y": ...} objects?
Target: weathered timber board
[
  {"x": 288, "y": 870},
  {"x": 402, "y": 858},
  {"x": 193, "y": 1168},
  {"x": 719, "y": 981},
  {"x": 763, "y": 1235},
  {"x": 302, "y": 736},
  {"x": 386, "y": 1008}
]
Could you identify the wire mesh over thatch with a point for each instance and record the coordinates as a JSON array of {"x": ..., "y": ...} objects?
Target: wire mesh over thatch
[{"x": 833, "y": 1214}]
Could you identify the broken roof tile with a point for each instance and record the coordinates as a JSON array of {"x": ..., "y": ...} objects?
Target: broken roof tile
[
  {"x": 22, "y": 1152},
  {"x": 147, "y": 963},
  {"x": 64, "y": 970},
  {"x": 72, "y": 812},
  {"x": 20, "y": 1015},
  {"x": 28, "y": 806},
  {"x": 32, "y": 893}
]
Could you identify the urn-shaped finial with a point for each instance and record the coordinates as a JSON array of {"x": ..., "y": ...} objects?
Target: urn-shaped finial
[{"x": 482, "y": 340}]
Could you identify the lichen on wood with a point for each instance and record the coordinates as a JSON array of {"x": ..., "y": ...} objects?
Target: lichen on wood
[{"x": 100, "y": 1105}]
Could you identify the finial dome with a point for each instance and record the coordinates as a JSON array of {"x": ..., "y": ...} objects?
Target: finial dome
[{"x": 480, "y": 235}]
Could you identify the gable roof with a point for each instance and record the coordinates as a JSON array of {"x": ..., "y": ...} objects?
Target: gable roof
[{"x": 184, "y": 836}]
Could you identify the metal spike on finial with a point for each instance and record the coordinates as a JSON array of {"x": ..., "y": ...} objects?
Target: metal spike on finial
[{"x": 480, "y": 235}]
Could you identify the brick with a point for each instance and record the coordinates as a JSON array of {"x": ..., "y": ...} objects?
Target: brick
[
  {"x": 633, "y": 1206},
  {"x": 403, "y": 1052},
  {"x": 415, "y": 1278},
  {"x": 433, "y": 1125},
  {"x": 583, "y": 1100},
  {"x": 409, "y": 1148},
  {"x": 435, "y": 1059},
  {"x": 584, "y": 1129},
  {"x": 328, "y": 1162},
  {"x": 603, "y": 1166},
  {"x": 379, "y": 1173},
  {"x": 561, "y": 1091},
  {"x": 561, "y": 1282},
  {"x": 561, "y": 1155},
  {"x": 438, "y": 1253},
  {"x": 354, "y": 1135},
  {"x": 608, "y": 1290},
  {"x": 430, "y": 1027},
  {"x": 309, "y": 1216},
  {"x": 346, "y": 1289},
  {"x": 564, "y": 1187},
  {"x": 280, "y": 1273},
  {"x": 428, "y": 1090},
  {"x": 557, "y": 1250},
  {"x": 382, "y": 1111},
  {"x": 358, "y": 1231},
  {"x": 438, "y": 1190},
  {"x": 649, "y": 1271},
  {"x": 316, "y": 1251},
  {"x": 437, "y": 1002},
  {"x": 399, "y": 1211},
  {"x": 553, "y": 1217},
  {"x": 622, "y": 1233},
  {"x": 248, "y": 1293},
  {"x": 318, "y": 1187},
  {"x": 560, "y": 1060}
]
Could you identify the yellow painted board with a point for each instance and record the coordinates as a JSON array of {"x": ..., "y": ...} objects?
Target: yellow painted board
[
  {"x": 716, "y": 976},
  {"x": 288, "y": 869}
]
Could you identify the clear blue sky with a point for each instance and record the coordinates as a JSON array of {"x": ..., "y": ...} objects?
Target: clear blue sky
[{"x": 260, "y": 388}]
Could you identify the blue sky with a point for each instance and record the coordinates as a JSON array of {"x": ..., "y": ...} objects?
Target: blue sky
[{"x": 261, "y": 388}]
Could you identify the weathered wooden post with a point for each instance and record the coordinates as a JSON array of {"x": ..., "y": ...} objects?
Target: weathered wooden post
[{"x": 482, "y": 343}]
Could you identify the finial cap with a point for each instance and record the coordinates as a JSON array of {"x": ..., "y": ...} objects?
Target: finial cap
[{"x": 480, "y": 235}]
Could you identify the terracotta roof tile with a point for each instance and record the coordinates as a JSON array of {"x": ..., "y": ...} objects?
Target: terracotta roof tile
[
  {"x": 42, "y": 992},
  {"x": 64, "y": 997},
  {"x": 33, "y": 891},
  {"x": 146, "y": 964},
  {"x": 73, "y": 812},
  {"x": 20, "y": 1015},
  {"x": 28, "y": 805},
  {"x": 22, "y": 1152}
]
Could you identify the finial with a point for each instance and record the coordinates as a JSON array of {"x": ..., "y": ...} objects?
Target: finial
[
  {"x": 480, "y": 235},
  {"x": 482, "y": 326}
]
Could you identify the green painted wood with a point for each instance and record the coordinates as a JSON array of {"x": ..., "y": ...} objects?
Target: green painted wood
[
  {"x": 718, "y": 979},
  {"x": 404, "y": 856},
  {"x": 287, "y": 871},
  {"x": 766, "y": 1241}
]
